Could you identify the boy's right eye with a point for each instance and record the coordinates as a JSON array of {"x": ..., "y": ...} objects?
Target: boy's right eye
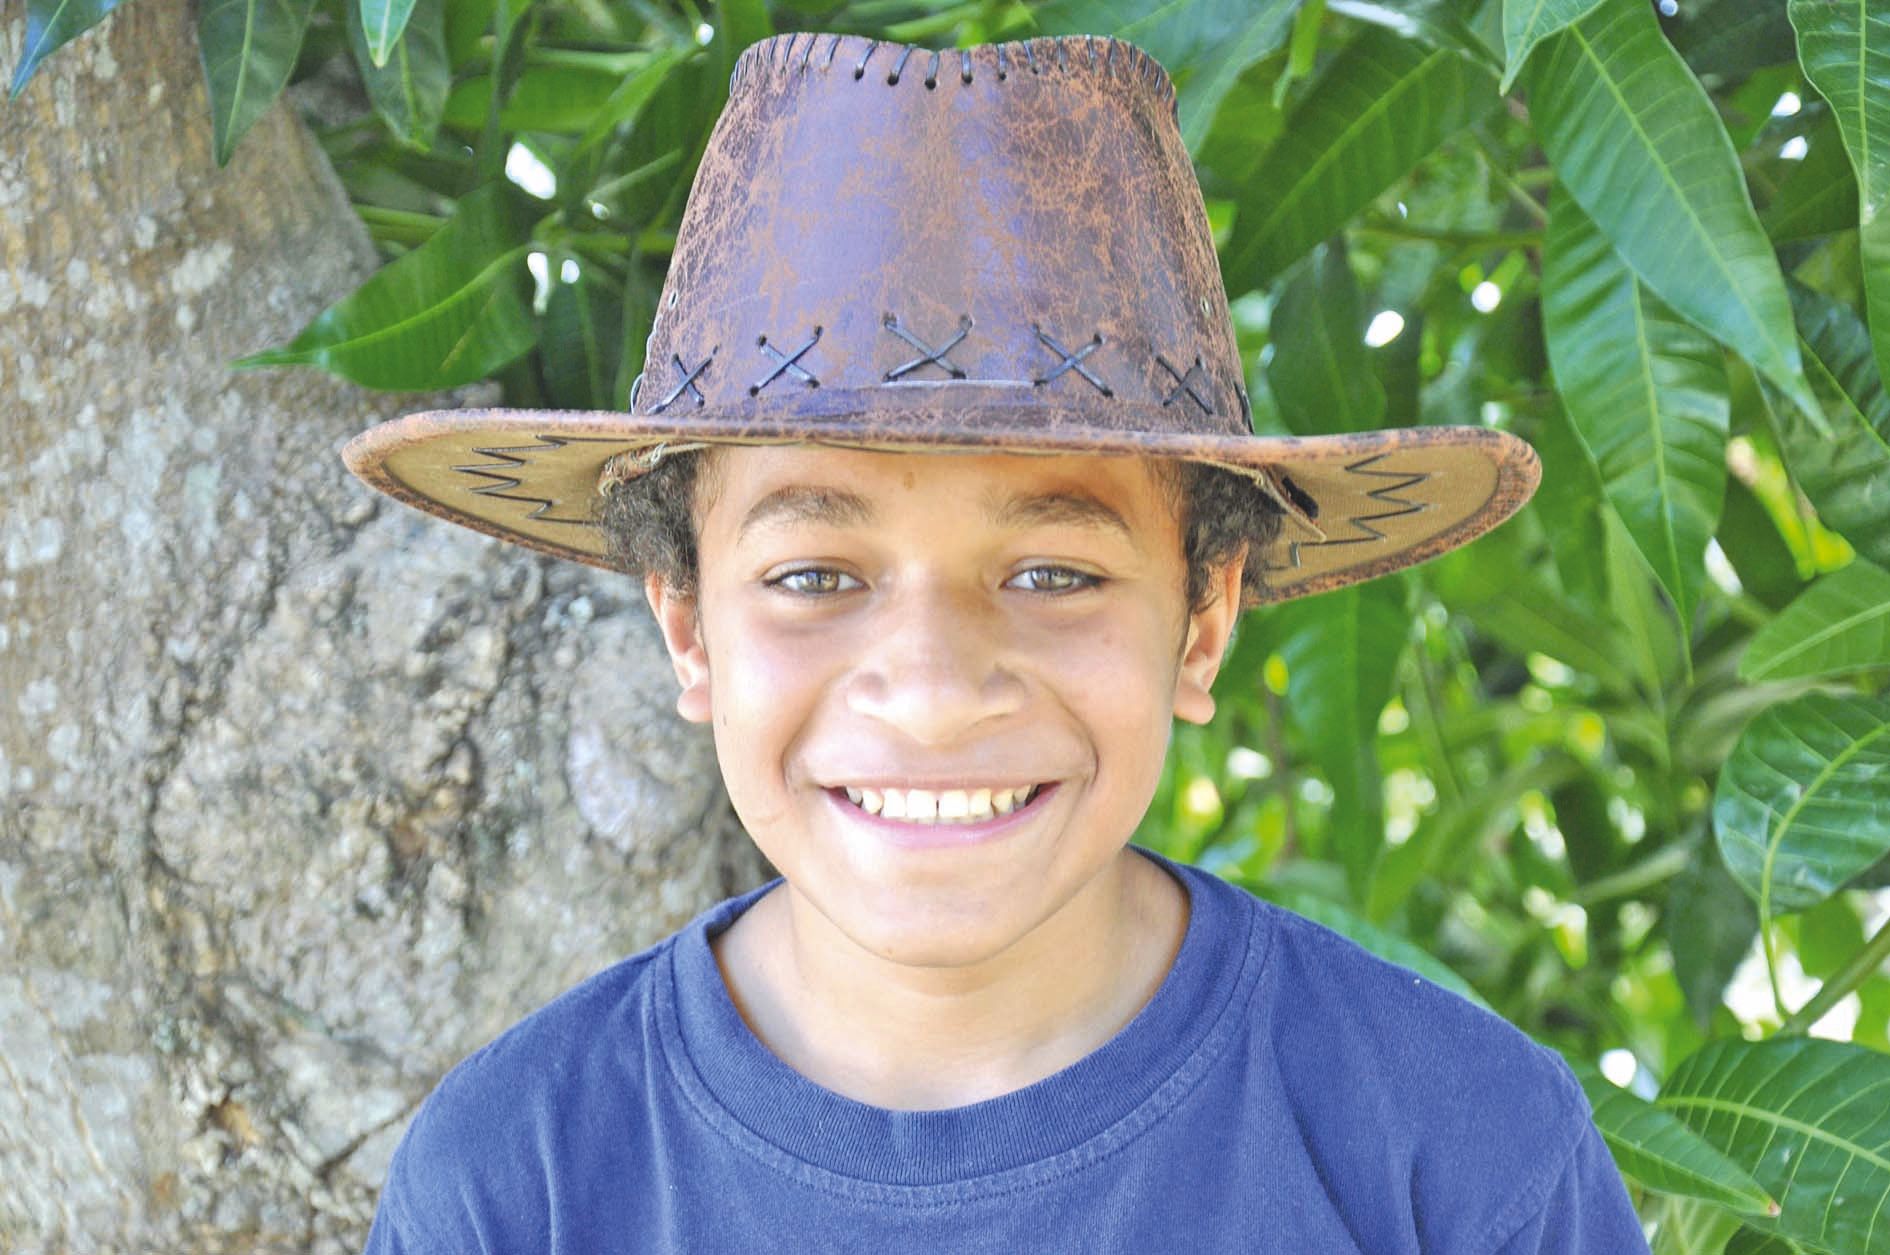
[{"x": 812, "y": 581}]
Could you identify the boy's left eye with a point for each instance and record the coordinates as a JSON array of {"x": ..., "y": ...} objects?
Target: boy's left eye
[
  {"x": 812, "y": 581},
  {"x": 1055, "y": 579}
]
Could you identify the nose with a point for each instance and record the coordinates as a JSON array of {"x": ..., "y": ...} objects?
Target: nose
[{"x": 936, "y": 668}]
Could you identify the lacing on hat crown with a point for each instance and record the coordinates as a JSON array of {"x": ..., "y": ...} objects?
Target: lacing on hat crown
[{"x": 1098, "y": 55}]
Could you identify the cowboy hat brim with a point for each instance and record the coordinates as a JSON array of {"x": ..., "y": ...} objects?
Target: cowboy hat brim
[{"x": 1355, "y": 506}]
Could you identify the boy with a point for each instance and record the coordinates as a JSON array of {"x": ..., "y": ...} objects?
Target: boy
[{"x": 939, "y": 611}]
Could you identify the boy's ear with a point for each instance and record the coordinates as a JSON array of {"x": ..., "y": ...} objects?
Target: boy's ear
[
  {"x": 682, "y": 636},
  {"x": 1209, "y": 631}
]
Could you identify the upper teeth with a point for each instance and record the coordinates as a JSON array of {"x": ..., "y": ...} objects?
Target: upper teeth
[{"x": 933, "y": 806}]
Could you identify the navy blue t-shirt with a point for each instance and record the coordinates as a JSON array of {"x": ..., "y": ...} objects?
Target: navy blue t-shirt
[{"x": 1284, "y": 1090}]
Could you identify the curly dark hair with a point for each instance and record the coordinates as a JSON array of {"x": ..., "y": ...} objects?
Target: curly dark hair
[{"x": 649, "y": 525}]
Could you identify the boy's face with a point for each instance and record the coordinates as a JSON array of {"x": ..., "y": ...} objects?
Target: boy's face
[{"x": 948, "y": 623}]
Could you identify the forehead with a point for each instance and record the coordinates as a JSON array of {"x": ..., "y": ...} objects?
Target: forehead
[{"x": 748, "y": 485}]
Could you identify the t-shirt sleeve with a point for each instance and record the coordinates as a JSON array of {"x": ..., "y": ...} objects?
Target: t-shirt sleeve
[{"x": 1587, "y": 1211}]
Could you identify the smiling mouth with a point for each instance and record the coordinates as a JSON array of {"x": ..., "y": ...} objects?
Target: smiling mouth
[{"x": 942, "y": 806}]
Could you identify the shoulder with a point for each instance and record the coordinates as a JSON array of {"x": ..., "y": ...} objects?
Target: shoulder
[
  {"x": 476, "y": 1161},
  {"x": 1386, "y": 1072}
]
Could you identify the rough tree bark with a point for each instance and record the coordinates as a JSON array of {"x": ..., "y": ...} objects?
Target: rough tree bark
[{"x": 303, "y": 796}]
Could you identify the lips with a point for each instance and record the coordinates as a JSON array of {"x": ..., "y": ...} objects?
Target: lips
[{"x": 968, "y": 805}]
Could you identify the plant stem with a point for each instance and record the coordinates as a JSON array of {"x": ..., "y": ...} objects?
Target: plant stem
[
  {"x": 1663, "y": 864},
  {"x": 1862, "y": 966},
  {"x": 1459, "y": 239}
]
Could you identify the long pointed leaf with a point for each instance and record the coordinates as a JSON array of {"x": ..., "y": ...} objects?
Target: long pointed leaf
[
  {"x": 1840, "y": 625},
  {"x": 1655, "y": 1148},
  {"x": 1382, "y": 104},
  {"x": 1801, "y": 808},
  {"x": 383, "y": 22},
  {"x": 1820, "y": 196},
  {"x": 1341, "y": 651},
  {"x": 1527, "y": 23},
  {"x": 50, "y": 24},
  {"x": 1174, "y": 32},
  {"x": 1637, "y": 143},
  {"x": 1841, "y": 457},
  {"x": 409, "y": 90},
  {"x": 1320, "y": 373},
  {"x": 1647, "y": 393},
  {"x": 1844, "y": 46},
  {"x": 1809, "y": 1120},
  {"x": 450, "y": 312},
  {"x": 248, "y": 49}
]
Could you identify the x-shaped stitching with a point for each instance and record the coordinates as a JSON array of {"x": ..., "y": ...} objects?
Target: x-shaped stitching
[
  {"x": 688, "y": 381},
  {"x": 1071, "y": 359},
  {"x": 1183, "y": 383},
  {"x": 932, "y": 355},
  {"x": 787, "y": 362}
]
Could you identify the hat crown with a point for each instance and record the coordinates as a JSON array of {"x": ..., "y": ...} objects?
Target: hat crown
[{"x": 989, "y": 235}]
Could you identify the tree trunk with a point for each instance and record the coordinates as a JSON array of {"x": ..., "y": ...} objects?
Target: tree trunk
[{"x": 303, "y": 795}]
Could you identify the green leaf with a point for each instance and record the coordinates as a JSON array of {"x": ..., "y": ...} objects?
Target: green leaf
[
  {"x": 1202, "y": 88},
  {"x": 558, "y": 98},
  {"x": 1438, "y": 23},
  {"x": 1820, "y": 196},
  {"x": 1637, "y": 143},
  {"x": 1657, "y": 1150},
  {"x": 1341, "y": 650},
  {"x": 1687, "y": 1226},
  {"x": 382, "y": 21},
  {"x": 1732, "y": 38},
  {"x": 1844, "y": 47},
  {"x": 1801, "y": 806},
  {"x": 409, "y": 89},
  {"x": 1174, "y": 32},
  {"x": 1527, "y": 23},
  {"x": 1320, "y": 372},
  {"x": 1647, "y": 392},
  {"x": 1570, "y": 501},
  {"x": 1840, "y": 455},
  {"x": 1385, "y": 944},
  {"x": 1752, "y": 1242},
  {"x": 1840, "y": 625},
  {"x": 1709, "y": 924},
  {"x": 450, "y": 312},
  {"x": 1807, "y": 1118},
  {"x": 1380, "y": 106},
  {"x": 50, "y": 24},
  {"x": 582, "y": 340},
  {"x": 1760, "y": 556},
  {"x": 248, "y": 48}
]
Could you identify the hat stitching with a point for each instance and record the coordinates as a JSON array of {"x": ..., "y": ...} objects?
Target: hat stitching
[
  {"x": 779, "y": 51},
  {"x": 1071, "y": 360},
  {"x": 1185, "y": 382},
  {"x": 500, "y": 488},
  {"x": 1407, "y": 479},
  {"x": 791, "y": 362},
  {"x": 932, "y": 356},
  {"x": 688, "y": 381}
]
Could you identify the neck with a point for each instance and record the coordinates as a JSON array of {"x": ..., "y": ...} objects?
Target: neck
[{"x": 926, "y": 1038}]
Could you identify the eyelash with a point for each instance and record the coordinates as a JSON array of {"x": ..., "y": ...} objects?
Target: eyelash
[{"x": 1084, "y": 581}]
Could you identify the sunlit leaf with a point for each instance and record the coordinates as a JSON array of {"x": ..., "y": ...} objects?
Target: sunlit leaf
[
  {"x": 409, "y": 90},
  {"x": 451, "y": 311},
  {"x": 1320, "y": 372},
  {"x": 1807, "y": 1119},
  {"x": 1801, "y": 807},
  {"x": 1527, "y": 23},
  {"x": 1636, "y": 142},
  {"x": 1379, "y": 107},
  {"x": 1840, "y": 457},
  {"x": 1840, "y": 624},
  {"x": 1758, "y": 554},
  {"x": 1653, "y": 1147},
  {"x": 382, "y": 23},
  {"x": 248, "y": 48},
  {"x": 1647, "y": 392},
  {"x": 50, "y": 24},
  {"x": 1844, "y": 46}
]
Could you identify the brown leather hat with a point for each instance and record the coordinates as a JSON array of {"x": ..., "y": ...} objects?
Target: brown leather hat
[{"x": 992, "y": 248}]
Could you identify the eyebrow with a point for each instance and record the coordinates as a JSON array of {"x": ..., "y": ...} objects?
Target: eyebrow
[{"x": 836, "y": 507}]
